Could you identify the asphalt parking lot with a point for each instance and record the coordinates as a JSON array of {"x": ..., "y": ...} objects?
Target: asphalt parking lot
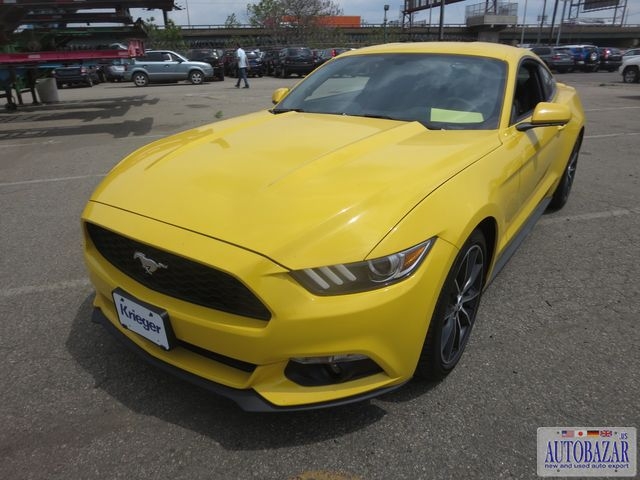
[{"x": 555, "y": 344}]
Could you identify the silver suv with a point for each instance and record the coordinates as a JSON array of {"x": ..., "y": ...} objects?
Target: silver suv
[
  {"x": 630, "y": 69},
  {"x": 160, "y": 66}
]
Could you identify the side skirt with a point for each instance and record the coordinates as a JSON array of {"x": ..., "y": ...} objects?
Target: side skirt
[{"x": 513, "y": 245}]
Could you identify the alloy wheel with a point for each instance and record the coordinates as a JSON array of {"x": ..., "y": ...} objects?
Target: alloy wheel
[{"x": 463, "y": 305}]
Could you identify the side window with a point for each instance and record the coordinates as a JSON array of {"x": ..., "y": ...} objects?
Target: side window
[
  {"x": 153, "y": 57},
  {"x": 528, "y": 92},
  {"x": 548, "y": 85}
]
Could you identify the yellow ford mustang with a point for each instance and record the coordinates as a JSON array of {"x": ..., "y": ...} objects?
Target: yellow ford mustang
[{"x": 330, "y": 249}]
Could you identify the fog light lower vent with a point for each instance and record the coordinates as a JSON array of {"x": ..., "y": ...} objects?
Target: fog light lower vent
[{"x": 329, "y": 370}]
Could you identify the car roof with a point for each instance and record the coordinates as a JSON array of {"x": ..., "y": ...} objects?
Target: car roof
[{"x": 478, "y": 49}]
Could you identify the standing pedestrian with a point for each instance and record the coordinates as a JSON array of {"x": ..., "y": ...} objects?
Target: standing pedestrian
[{"x": 242, "y": 62}]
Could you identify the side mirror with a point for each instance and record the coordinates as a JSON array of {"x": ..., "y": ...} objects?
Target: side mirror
[
  {"x": 278, "y": 95},
  {"x": 547, "y": 114}
]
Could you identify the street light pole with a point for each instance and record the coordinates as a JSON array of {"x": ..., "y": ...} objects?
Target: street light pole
[
  {"x": 386, "y": 9},
  {"x": 524, "y": 21},
  {"x": 188, "y": 16}
]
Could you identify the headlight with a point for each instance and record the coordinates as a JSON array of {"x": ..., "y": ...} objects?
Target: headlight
[{"x": 361, "y": 276}]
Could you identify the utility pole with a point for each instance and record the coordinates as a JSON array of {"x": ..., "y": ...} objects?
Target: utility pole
[
  {"x": 524, "y": 21},
  {"x": 542, "y": 17},
  {"x": 386, "y": 9},
  {"x": 441, "y": 27},
  {"x": 553, "y": 21}
]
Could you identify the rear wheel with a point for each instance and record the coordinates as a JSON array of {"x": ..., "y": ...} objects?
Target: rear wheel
[
  {"x": 140, "y": 79},
  {"x": 561, "y": 195},
  {"x": 630, "y": 75},
  {"x": 455, "y": 311}
]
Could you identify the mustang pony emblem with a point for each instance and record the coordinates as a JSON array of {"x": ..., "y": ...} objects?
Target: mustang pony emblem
[{"x": 148, "y": 264}]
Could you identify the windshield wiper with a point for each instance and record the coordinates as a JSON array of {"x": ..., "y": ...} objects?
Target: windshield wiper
[
  {"x": 374, "y": 115},
  {"x": 285, "y": 110}
]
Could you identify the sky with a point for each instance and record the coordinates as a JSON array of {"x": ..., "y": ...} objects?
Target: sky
[{"x": 215, "y": 12}]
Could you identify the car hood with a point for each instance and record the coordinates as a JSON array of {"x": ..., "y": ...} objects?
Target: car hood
[{"x": 302, "y": 189}]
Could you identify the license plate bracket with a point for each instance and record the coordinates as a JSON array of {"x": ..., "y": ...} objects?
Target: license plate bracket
[{"x": 144, "y": 319}]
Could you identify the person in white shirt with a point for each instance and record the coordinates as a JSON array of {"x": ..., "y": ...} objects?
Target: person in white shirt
[{"x": 242, "y": 62}]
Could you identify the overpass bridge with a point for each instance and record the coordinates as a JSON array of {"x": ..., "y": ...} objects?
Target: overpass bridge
[{"x": 603, "y": 35}]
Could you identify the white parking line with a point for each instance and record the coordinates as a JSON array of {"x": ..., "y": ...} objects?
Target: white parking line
[
  {"x": 590, "y": 216},
  {"x": 608, "y": 135},
  {"x": 48, "y": 180},
  {"x": 53, "y": 142},
  {"x": 609, "y": 108},
  {"x": 29, "y": 289},
  {"x": 48, "y": 142}
]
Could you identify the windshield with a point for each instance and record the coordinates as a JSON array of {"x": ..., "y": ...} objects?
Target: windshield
[{"x": 439, "y": 91}]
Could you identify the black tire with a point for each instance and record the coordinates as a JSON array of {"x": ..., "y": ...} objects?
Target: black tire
[
  {"x": 88, "y": 82},
  {"x": 631, "y": 75},
  {"x": 455, "y": 311},
  {"x": 140, "y": 79},
  {"x": 561, "y": 194},
  {"x": 196, "y": 77}
]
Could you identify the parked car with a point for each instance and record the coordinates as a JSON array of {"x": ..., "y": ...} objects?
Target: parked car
[
  {"x": 331, "y": 248},
  {"x": 254, "y": 61},
  {"x": 76, "y": 75},
  {"x": 229, "y": 62},
  {"x": 632, "y": 52},
  {"x": 166, "y": 66},
  {"x": 630, "y": 70},
  {"x": 329, "y": 53},
  {"x": 556, "y": 59},
  {"x": 610, "y": 58},
  {"x": 113, "y": 70},
  {"x": 270, "y": 59},
  {"x": 585, "y": 57},
  {"x": 212, "y": 56},
  {"x": 298, "y": 60}
]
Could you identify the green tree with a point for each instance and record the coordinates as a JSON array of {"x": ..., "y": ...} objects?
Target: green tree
[
  {"x": 231, "y": 21},
  {"x": 266, "y": 13},
  {"x": 289, "y": 20},
  {"x": 169, "y": 37}
]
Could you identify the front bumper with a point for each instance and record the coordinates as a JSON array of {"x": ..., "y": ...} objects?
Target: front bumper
[
  {"x": 387, "y": 325},
  {"x": 249, "y": 400}
]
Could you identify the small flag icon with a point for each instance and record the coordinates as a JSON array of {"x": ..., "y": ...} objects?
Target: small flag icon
[
  {"x": 567, "y": 433},
  {"x": 606, "y": 433},
  {"x": 593, "y": 433},
  {"x": 581, "y": 433}
]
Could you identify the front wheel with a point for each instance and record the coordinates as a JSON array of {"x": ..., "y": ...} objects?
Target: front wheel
[
  {"x": 196, "y": 77},
  {"x": 455, "y": 311},
  {"x": 140, "y": 79},
  {"x": 561, "y": 195}
]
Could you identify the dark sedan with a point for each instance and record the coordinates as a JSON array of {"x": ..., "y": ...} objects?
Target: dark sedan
[{"x": 610, "y": 58}]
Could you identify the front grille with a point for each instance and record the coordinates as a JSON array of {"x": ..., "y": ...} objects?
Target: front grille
[{"x": 177, "y": 277}]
